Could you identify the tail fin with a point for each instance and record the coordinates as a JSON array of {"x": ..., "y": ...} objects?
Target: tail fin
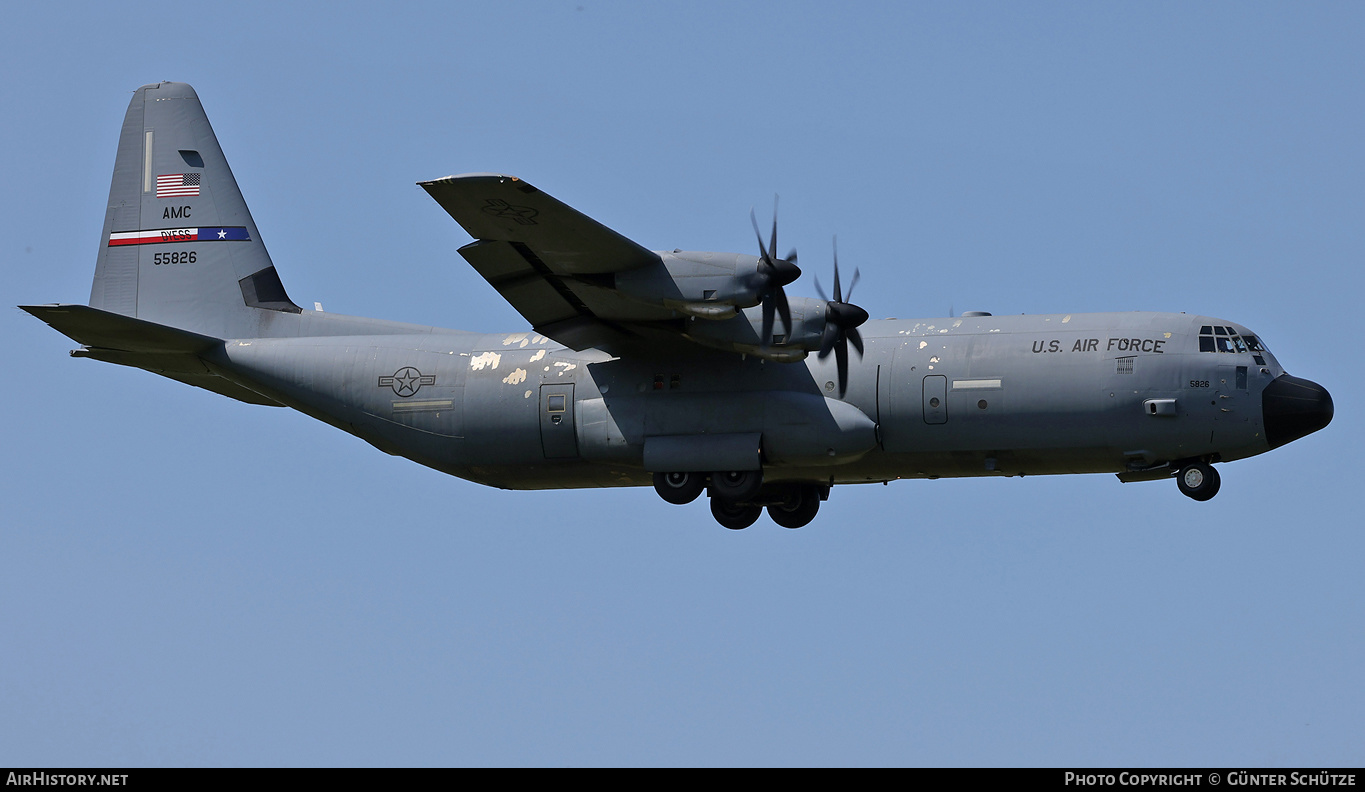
[{"x": 179, "y": 247}]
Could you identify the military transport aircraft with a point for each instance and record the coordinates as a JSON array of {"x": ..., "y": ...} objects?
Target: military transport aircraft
[{"x": 691, "y": 371}]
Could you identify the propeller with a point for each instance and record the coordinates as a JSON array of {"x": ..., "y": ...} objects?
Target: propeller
[
  {"x": 841, "y": 323},
  {"x": 773, "y": 273}
]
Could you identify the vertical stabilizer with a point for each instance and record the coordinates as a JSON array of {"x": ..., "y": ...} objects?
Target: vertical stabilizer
[{"x": 179, "y": 247}]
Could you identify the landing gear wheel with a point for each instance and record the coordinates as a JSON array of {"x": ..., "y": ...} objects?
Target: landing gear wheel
[
  {"x": 1198, "y": 481},
  {"x": 736, "y": 486},
  {"x": 799, "y": 509},
  {"x": 679, "y": 488},
  {"x": 735, "y": 516}
]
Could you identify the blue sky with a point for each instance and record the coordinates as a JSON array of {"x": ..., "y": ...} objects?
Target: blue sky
[{"x": 193, "y": 581}]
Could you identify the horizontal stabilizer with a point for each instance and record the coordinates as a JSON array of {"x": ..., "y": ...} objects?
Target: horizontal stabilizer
[
  {"x": 123, "y": 340},
  {"x": 102, "y": 329}
]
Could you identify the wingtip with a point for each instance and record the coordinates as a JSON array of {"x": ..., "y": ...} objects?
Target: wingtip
[
  {"x": 46, "y": 308},
  {"x": 500, "y": 177}
]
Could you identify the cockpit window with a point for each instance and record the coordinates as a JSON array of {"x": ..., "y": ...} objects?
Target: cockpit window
[{"x": 1213, "y": 338}]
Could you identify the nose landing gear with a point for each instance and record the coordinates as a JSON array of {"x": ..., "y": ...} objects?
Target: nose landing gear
[{"x": 1198, "y": 480}]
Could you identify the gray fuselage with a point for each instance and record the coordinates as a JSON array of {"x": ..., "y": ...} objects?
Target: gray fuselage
[{"x": 970, "y": 396}]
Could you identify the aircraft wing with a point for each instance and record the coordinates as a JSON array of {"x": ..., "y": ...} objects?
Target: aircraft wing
[{"x": 551, "y": 262}]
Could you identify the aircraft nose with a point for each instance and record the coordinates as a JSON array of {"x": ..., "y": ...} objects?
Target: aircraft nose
[{"x": 1294, "y": 407}]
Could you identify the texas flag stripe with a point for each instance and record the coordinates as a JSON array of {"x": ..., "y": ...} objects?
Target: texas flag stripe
[
  {"x": 163, "y": 235},
  {"x": 174, "y": 184}
]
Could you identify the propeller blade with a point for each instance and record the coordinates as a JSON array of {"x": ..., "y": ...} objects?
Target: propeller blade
[
  {"x": 856, "y": 339},
  {"x": 828, "y": 339},
  {"x": 841, "y": 322},
  {"x": 772, "y": 248},
  {"x": 771, "y": 274},
  {"x": 767, "y": 336},
  {"x": 759, "y": 234},
  {"x": 784, "y": 310},
  {"x": 838, "y": 294},
  {"x": 819, "y": 290}
]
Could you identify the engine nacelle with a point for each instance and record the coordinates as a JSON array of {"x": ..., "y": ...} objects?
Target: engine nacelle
[
  {"x": 705, "y": 285},
  {"x": 742, "y": 332}
]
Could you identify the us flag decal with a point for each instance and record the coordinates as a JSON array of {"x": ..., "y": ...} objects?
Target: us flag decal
[{"x": 177, "y": 184}]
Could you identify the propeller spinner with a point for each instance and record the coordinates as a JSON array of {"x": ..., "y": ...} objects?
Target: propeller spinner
[
  {"x": 841, "y": 323},
  {"x": 773, "y": 273}
]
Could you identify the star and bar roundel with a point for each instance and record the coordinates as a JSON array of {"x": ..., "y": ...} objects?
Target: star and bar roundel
[
  {"x": 158, "y": 236},
  {"x": 406, "y": 381}
]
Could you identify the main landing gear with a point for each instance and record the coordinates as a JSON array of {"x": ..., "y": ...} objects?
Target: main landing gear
[
  {"x": 735, "y": 516},
  {"x": 739, "y": 497},
  {"x": 1198, "y": 480},
  {"x": 679, "y": 488},
  {"x": 798, "y": 506}
]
